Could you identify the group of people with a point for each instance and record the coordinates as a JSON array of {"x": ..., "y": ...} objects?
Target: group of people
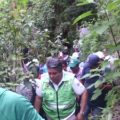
[{"x": 63, "y": 92}]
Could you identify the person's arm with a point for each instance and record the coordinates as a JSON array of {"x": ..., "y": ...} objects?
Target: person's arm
[
  {"x": 105, "y": 86},
  {"x": 80, "y": 115},
  {"x": 79, "y": 89},
  {"x": 38, "y": 103},
  {"x": 24, "y": 109},
  {"x": 38, "y": 98},
  {"x": 32, "y": 114}
]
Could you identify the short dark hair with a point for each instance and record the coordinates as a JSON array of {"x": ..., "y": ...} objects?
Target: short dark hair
[{"x": 54, "y": 63}]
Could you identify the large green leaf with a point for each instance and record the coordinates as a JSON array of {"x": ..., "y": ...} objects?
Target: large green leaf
[
  {"x": 22, "y": 2},
  {"x": 81, "y": 4},
  {"x": 84, "y": 15},
  {"x": 98, "y": 83},
  {"x": 95, "y": 75},
  {"x": 113, "y": 5},
  {"x": 101, "y": 27},
  {"x": 86, "y": 76},
  {"x": 109, "y": 116},
  {"x": 2, "y": 73},
  {"x": 97, "y": 93},
  {"x": 90, "y": 1},
  {"x": 113, "y": 48},
  {"x": 112, "y": 76},
  {"x": 86, "y": 1}
]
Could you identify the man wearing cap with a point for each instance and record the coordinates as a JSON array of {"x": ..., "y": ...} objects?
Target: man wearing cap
[
  {"x": 100, "y": 55},
  {"x": 95, "y": 106},
  {"x": 77, "y": 71},
  {"x": 57, "y": 93},
  {"x": 75, "y": 68}
]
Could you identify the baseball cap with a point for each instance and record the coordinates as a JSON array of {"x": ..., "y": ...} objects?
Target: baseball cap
[
  {"x": 75, "y": 55},
  {"x": 73, "y": 62},
  {"x": 93, "y": 59},
  {"x": 36, "y": 61},
  {"x": 100, "y": 54}
]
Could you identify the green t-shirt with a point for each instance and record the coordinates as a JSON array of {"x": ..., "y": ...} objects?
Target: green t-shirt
[{"x": 16, "y": 107}]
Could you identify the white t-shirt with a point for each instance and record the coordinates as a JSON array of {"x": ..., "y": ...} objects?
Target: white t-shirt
[{"x": 77, "y": 86}]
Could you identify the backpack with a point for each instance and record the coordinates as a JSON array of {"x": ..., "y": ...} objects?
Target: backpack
[{"x": 27, "y": 89}]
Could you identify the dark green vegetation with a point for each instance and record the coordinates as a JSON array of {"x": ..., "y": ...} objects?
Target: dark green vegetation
[{"x": 36, "y": 24}]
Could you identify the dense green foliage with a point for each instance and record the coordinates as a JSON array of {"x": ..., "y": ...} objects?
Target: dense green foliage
[
  {"x": 104, "y": 33},
  {"x": 36, "y": 24},
  {"x": 105, "y": 30}
]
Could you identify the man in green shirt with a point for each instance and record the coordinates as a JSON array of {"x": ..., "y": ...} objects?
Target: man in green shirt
[
  {"x": 57, "y": 91},
  {"x": 16, "y": 107}
]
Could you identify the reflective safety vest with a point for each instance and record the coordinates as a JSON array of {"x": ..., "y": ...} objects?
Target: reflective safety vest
[{"x": 61, "y": 103}]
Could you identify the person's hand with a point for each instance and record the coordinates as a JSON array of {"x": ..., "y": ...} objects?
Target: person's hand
[
  {"x": 101, "y": 86},
  {"x": 80, "y": 116}
]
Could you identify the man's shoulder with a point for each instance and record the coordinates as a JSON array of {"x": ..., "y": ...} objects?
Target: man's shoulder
[
  {"x": 2, "y": 90},
  {"x": 12, "y": 98},
  {"x": 15, "y": 97},
  {"x": 68, "y": 75},
  {"x": 86, "y": 67},
  {"x": 45, "y": 78},
  {"x": 44, "y": 75}
]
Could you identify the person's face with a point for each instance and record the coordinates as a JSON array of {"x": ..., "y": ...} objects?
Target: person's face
[
  {"x": 64, "y": 66},
  {"x": 55, "y": 75},
  {"x": 75, "y": 69}
]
